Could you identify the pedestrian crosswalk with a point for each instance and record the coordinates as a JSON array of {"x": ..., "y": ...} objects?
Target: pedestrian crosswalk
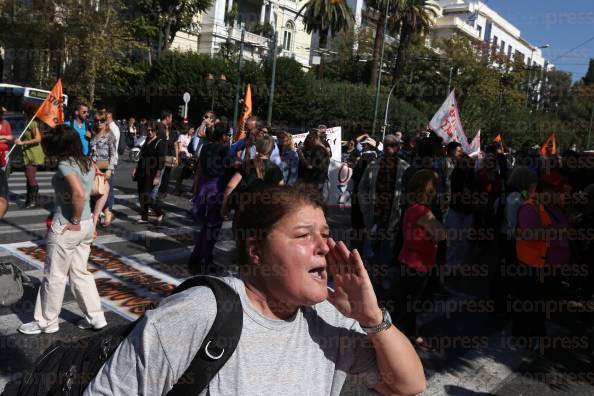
[{"x": 30, "y": 224}]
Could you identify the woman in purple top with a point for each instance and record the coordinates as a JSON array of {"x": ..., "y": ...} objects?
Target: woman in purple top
[{"x": 206, "y": 204}]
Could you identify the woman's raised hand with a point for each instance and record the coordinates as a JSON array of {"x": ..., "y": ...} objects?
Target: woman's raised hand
[{"x": 353, "y": 293}]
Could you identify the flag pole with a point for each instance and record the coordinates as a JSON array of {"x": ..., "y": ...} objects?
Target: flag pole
[{"x": 21, "y": 135}]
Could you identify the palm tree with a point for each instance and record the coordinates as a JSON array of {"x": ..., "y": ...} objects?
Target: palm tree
[
  {"x": 380, "y": 6},
  {"x": 326, "y": 17},
  {"x": 415, "y": 17}
]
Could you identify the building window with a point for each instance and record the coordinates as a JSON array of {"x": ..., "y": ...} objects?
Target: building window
[
  {"x": 288, "y": 36},
  {"x": 480, "y": 31},
  {"x": 502, "y": 47},
  {"x": 509, "y": 51},
  {"x": 488, "y": 28},
  {"x": 495, "y": 41}
]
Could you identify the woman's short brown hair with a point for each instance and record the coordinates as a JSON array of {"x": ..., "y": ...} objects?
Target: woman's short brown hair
[
  {"x": 418, "y": 182},
  {"x": 264, "y": 206}
]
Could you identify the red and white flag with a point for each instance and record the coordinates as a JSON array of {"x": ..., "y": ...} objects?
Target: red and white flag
[
  {"x": 446, "y": 123},
  {"x": 475, "y": 145}
]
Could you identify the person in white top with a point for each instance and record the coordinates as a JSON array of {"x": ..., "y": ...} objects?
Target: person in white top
[
  {"x": 109, "y": 217},
  {"x": 184, "y": 158}
]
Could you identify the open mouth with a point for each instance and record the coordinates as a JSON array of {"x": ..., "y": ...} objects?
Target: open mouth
[{"x": 319, "y": 273}]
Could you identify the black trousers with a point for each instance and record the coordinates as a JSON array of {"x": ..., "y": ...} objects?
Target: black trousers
[
  {"x": 146, "y": 199},
  {"x": 164, "y": 187},
  {"x": 528, "y": 303},
  {"x": 407, "y": 291}
]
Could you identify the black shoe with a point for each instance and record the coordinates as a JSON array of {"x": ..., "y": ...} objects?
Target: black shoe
[
  {"x": 33, "y": 201},
  {"x": 28, "y": 197}
]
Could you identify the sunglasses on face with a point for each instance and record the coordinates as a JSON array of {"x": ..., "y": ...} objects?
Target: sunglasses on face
[
  {"x": 391, "y": 145},
  {"x": 100, "y": 121}
]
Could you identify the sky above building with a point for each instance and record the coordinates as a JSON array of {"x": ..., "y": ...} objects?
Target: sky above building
[{"x": 564, "y": 25}]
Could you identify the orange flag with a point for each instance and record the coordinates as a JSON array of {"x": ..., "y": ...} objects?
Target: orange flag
[
  {"x": 247, "y": 113},
  {"x": 549, "y": 147},
  {"x": 52, "y": 109}
]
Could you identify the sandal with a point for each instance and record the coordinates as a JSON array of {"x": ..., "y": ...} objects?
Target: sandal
[{"x": 109, "y": 217}]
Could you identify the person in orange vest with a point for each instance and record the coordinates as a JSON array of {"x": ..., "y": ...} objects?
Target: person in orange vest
[{"x": 541, "y": 248}]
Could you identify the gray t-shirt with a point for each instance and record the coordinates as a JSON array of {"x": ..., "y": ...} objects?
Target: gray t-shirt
[
  {"x": 63, "y": 212},
  {"x": 307, "y": 354}
]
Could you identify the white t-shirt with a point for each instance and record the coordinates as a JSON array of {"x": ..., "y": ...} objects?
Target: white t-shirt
[
  {"x": 113, "y": 127},
  {"x": 310, "y": 353}
]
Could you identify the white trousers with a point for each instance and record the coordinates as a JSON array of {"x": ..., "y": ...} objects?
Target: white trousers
[{"x": 66, "y": 259}]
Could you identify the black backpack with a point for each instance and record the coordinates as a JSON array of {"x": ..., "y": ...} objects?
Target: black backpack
[{"x": 66, "y": 369}]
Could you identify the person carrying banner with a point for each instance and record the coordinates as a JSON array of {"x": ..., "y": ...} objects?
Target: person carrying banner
[
  {"x": 69, "y": 238},
  {"x": 33, "y": 156}
]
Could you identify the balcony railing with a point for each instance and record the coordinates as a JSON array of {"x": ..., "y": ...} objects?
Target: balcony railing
[{"x": 235, "y": 34}]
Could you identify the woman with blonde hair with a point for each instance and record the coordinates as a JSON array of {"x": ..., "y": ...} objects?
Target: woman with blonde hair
[
  {"x": 104, "y": 154},
  {"x": 257, "y": 171}
]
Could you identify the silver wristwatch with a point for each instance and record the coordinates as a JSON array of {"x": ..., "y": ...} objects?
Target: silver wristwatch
[
  {"x": 385, "y": 324},
  {"x": 74, "y": 221}
]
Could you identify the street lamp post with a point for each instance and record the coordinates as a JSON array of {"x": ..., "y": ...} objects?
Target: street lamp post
[
  {"x": 450, "y": 80},
  {"x": 273, "y": 78},
  {"x": 238, "y": 86},
  {"x": 379, "y": 75},
  {"x": 386, "y": 113},
  {"x": 210, "y": 81}
]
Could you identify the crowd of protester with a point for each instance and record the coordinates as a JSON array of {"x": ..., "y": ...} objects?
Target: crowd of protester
[{"x": 419, "y": 207}]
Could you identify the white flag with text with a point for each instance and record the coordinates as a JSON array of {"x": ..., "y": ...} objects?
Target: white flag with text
[{"x": 446, "y": 123}]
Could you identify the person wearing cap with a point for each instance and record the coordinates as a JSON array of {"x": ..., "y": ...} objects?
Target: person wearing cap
[{"x": 380, "y": 196}]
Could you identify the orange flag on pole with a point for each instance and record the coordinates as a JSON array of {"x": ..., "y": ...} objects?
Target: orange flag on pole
[
  {"x": 51, "y": 110},
  {"x": 247, "y": 113},
  {"x": 549, "y": 147}
]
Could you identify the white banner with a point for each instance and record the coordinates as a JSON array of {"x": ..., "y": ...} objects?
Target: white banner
[
  {"x": 475, "y": 145},
  {"x": 333, "y": 136},
  {"x": 340, "y": 185},
  {"x": 447, "y": 125}
]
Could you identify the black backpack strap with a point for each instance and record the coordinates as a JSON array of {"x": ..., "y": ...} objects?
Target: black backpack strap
[{"x": 220, "y": 342}]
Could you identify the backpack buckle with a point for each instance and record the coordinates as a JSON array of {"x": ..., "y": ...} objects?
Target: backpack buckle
[{"x": 217, "y": 352}]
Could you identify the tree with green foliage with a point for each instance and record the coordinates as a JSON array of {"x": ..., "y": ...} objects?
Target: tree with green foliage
[
  {"x": 589, "y": 77},
  {"x": 382, "y": 19},
  {"x": 160, "y": 20},
  {"x": 326, "y": 17},
  {"x": 415, "y": 17}
]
